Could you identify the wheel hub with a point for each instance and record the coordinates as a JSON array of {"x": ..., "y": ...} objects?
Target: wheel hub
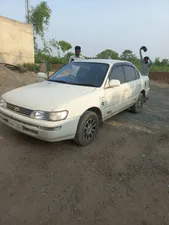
[{"x": 89, "y": 128}]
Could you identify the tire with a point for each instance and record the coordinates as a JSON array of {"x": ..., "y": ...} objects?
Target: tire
[
  {"x": 87, "y": 129},
  {"x": 137, "y": 107}
]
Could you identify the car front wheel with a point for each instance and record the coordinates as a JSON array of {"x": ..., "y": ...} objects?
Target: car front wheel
[{"x": 87, "y": 128}]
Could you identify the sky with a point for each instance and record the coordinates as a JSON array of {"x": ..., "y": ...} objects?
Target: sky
[{"x": 97, "y": 25}]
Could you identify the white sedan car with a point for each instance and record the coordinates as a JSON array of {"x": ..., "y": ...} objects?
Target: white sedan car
[{"x": 75, "y": 100}]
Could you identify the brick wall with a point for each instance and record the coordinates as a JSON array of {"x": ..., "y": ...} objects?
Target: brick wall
[
  {"x": 56, "y": 67},
  {"x": 160, "y": 76}
]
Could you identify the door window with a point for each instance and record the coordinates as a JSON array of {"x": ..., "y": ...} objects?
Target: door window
[
  {"x": 130, "y": 73},
  {"x": 117, "y": 73},
  {"x": 137, "y": 74}
]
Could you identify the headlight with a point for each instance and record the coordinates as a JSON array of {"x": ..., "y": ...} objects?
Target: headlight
[
  {"x": 2, "y": 103},
  {"x": 57, "y": 116},
  {"x": 50, "y": 116},
  {"x": 39, "y": 115}
]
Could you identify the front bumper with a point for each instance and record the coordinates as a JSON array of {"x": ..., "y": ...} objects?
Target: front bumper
[{"x": 44, "y": 130}]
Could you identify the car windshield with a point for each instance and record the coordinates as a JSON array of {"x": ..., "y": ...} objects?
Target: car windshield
[{"x": 81, "y": 73}]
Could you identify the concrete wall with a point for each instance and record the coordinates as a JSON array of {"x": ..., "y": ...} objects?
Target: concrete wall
[{"x": 16, "y": 42}]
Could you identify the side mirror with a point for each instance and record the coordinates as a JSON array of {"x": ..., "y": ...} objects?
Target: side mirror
[
  {"x": 42, "y": 76},
  {"x": 114, "y": 83}
]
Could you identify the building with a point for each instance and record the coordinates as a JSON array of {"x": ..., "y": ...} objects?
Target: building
[{"x": 16, "y": 42}]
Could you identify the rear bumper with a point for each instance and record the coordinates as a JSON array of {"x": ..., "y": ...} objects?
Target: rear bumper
[
  {"x": 63, "y": 130},
  {"x": 147, "y": 91}
]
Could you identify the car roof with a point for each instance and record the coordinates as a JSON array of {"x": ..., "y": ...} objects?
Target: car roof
[{"x": 108, "y": 61}]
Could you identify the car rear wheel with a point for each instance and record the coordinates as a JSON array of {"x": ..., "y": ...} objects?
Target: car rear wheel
[
  {"x": 137, "y": 107},
  {"x": 88, "y": 128}
]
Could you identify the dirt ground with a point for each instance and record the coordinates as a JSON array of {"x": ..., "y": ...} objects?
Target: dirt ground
[{"x": 122, "y": 178}]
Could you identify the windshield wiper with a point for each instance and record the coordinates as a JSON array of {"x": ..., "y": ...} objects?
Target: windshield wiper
[
  {"x": 59, "y": 81},
  {"x": 64, "y": 82},
  {"x": 89, "y": 85}
]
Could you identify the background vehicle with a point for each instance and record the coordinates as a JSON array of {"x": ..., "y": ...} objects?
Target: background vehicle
[{"x": 74, "y": 101}]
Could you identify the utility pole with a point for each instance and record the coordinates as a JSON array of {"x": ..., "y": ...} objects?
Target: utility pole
[{"x": 27, "y": 10}]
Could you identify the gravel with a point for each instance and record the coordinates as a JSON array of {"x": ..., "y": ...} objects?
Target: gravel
[{"x": 122, "y": 178}]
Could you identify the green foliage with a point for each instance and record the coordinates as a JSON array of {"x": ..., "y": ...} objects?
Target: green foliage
[
  {"x": 40, "y": 56},
  {"x": 21, "y": 68},
  {"x": 165, "y": 62},
  {"x": 55, "y": 45},
  {"x": 64, "y": 46},
  {"x": 158, "y": 66},
  {"x": 46, "y": 49},
  {"x": 39, "y": 16},
  {"x": 60, "y": 46},
  {"x": 67, "y": 55},
  {"x": 129, "y": 56},
  {"x": 46, "y": 54},
  {"x": 86, "y": 57},
  {"x": 107, "y": 54},
  {"x": 154, "y": 68},
  {"x": 32, "y": 67},
  {"x": 157, "y": 61}
]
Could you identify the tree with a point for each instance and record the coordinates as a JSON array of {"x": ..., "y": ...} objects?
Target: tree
[
  {"x": 55, "y": 45},
  {"x": 39, "y": 16},
  {"x": 157, "y": 61},
  {"x": 129, "y": 56},
  {"x": 165, "y": 62},
  {"x": 107, "y": 54},
  {"x": 64, "y": 46},
  {"x": 46, "y": 49},
  {"x": 60, "y": 46}
]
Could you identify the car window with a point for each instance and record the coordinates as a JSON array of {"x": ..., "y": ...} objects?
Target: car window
[
  {"x": 81, "y": 73},
  {"x": 130, "y": 73},
  {"x": 137, "y": 74},
  {"x": 117, "y": 73}
]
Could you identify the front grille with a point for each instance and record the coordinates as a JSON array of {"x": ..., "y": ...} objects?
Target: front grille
[{"x": 18, "y": 109}]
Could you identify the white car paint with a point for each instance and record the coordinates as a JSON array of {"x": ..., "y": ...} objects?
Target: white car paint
[
  {"x": 51, "y": 96},
  {"x": 46, "y": 95}
]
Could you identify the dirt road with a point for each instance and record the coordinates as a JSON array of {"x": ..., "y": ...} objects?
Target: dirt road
[{"x": 122, "y": 178}]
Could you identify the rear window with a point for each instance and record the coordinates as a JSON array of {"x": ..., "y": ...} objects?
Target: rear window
[{"x": 130, "y": 73}]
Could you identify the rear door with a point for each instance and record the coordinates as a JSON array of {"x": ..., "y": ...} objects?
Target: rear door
[
  {"x": 145, "y": 82},
  {"x": 134, "y": 84},
  {"x": 139, "y": 85}
]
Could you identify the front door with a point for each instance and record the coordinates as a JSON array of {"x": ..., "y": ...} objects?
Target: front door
[{"x": 116, "y": 97}]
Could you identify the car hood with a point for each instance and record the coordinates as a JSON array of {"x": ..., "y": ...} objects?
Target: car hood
[{"x": 45, "y": 95}]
